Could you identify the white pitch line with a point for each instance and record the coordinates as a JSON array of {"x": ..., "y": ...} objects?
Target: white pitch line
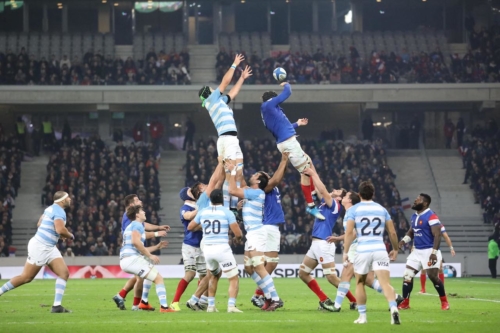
[
  {"x": 484, "y": 282},
  {"x": 465, "y": 298}
]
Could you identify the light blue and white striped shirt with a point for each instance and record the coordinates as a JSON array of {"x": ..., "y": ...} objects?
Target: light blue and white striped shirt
[
  {"x": 221, "y": 114},
  {"x": 370, "y": 219},
  {"x": 128, "y": 249},
  {"x": 215, "y": 221},
  {"x": 253, "y": 208},
  {"x": 46, "y": 233}
]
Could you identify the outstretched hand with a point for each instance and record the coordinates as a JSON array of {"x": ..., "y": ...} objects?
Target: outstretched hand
[
  {"x": 246, "y": 73},
  {"x": 283, "y": 83},
  {"x": 238, "y": 59},
  {"x": 302, "y": 122}
]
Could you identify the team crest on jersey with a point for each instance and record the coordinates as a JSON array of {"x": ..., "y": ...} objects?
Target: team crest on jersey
[
  {"x": 420, "y": 222},
  {"x": 320, "y": 259}
]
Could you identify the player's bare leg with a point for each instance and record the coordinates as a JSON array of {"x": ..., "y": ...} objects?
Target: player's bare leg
[
  {"x": 28, "y": 274},
  {"x": 212, "y": 290},
  {"x": 307, "y": 266},
  {"x": 254, "y": 266},
  {"x": 272, "y": 259},
  {"x": 58, "y": 266},
  {"x": 373, "y": 283},
  {"x": 361, "y": 296},
  {"x": 308, "y": 189},
  {"x": 161, "y": 292},
  {"x": 189, "y": 274},
  {"x": 384, "y": 279},
  {"x": 137, "y": 294},
  {"x": 408, "y": 276},
  {"x": 193, "y": 302},
  {"x": 438, "y": 284},
  {"x": 120, "y": 297},
  {"x": 234, "y": 286},
  {"x": 343, "y": 288},
  {"x": 231, "y": 201}
]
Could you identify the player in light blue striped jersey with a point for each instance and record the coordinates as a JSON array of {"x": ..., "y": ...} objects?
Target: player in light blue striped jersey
[
  {"x": 367, "y": 221},
  {"x": 255, "y": 246},
  {"x": 137, "y": 259},
  {"x": 42, "y": 250},
  {"x": 215, "y": 221},
  {"x": 217, "y": 105}
]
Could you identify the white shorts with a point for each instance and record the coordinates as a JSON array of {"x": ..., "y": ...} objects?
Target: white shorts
[
  {"x": 297, "y": 156},
  {"x": 351, "y": 255},
  {"x": 228, "y": 146},
  {"x": 371, "y": 261},
  {"x": 273, "y": 238},
  {"x": 419, "y": 259},
  {"x": 256, "y": 240},
  {"x": 137, "y": 265},
  {"x": 219, "y": 254},
  {"x": 322, "y": 251},
  {"x": 40, "y": 254},
  {"x": 193, "y": 259}
]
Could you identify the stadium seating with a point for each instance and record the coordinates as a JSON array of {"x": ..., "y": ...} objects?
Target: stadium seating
[
  {"x": 361, "y": 162},
  {"x": 10, "y": 179},
  {"x": 98, "y": 178}
]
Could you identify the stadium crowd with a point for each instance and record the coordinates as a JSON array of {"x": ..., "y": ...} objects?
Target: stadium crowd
[
  {"x": 94, "y": 69},
  {"x": 339, "y": 164},
  {"x": 98, "y": 178},
  {"x": 480, "y": 64},
  {"x": 481, "y": 155},
  {"x": 11, "y": 156}
]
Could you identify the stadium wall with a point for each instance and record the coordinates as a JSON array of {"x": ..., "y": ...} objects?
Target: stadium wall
[
  {"x": 474, "y": 264},
  {"x": 398, "y": 93}
]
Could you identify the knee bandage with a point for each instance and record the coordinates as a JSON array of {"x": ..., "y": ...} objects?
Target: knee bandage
[
  {"x": 216, "y": 271},
  {"x": 257, "y": 260},
  {"x": 153, "y": 273},
  {"x": 202, "y": 271},
  {"x": 329, "y": 271},
  {"x": 247, "y": 261},
  {"x": 232, "y": 273},
  {"x": 409, "y": 274},
  {"x": 272, "y": 259},
  {"x": 191, "y": 268},
  {"x": 305, "y": 268}
]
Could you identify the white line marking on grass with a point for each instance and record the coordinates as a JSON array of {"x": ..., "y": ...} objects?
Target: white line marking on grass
[
  {"x": 465, "y": 298},
  {"x": 484, "y": 282}
]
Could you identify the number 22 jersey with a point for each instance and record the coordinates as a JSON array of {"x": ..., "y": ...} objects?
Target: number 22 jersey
[{"x": 370, "y": 219}]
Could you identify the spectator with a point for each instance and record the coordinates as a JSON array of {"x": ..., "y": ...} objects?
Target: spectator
[
  {"x": 460, "y": 131},
  {"x": 190, "y": 130},
  {"x": 156, "y": 132},
  {"x": 367, "y": 128},
  {"x": 48, "y": 133},
  {"x": 65, "y": 62},
  {"x": 414, "y": 132},
  {"x": 449, "y": 130},
  {"x": 493, "y": 253}
]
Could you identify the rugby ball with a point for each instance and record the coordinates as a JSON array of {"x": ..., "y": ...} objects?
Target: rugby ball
[{"x": 279, "y": 74}]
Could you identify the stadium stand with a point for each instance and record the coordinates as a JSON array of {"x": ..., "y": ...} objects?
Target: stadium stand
[
  {"x": 98, "y": 178},
  {"x": 339, "y": 164},
  {"x": 86, "y": 59},
  {"x": 11, "y": 156},
  {"x": 482, "y": 163}
]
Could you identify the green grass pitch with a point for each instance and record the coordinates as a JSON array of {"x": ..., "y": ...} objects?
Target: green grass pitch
[{"x": 476, "y": 308}]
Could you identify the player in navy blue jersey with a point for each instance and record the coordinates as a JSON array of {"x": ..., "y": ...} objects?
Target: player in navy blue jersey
[
  {"x": 321, "y": 252},
  {"x": 283, "y": 131},
  {"x": 425, "y": 230},
  {"x": 140, "y": 291},
  {"x": 273, "y": 217}
]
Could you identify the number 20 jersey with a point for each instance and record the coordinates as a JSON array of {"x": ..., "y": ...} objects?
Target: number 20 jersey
[
  {"x": 370, "y": 219},
  {"x": 215, "y": 221}
]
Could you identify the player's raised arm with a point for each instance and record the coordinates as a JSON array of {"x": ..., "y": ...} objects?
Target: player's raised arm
[
  {"x": 188, "y": 216},
  {"x": 287, "y": 92},
  {"x": 216, "y": 179},
  {"x": 226, "y": 80},
  {"x": 236, "y": 88},
  {"x": 195, "y": 224},
  {"x": 278, "y": 174},
  {"x": 300, "y": 122},
  {"x": 154, "y": 227},
  {"x": 320, "y": 187},
  {"x": 153, "y": 234}
]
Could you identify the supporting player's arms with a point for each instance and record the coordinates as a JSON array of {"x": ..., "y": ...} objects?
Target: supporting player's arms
[
  {"x": 287, "y": 92},
  {"x": 389, "y": 227},
  {"x": 188, "y": 216},
  {"x": 320, "y": 187},
  {"x": 62, "y": 230},
  {"x": 278, "y": 174},
  {"x": 217, "y": 177},
  {"x": 226, "y": 80},
  {"x": 236, "y": 88},
  {"x": 349, "y": 236},
  {"x": 233, "y": 188},
  {"x": 235, "y": 228},
  {"x": 448, "y": 242},
  {"x": 154, "y": 227},
  {"x": 136, "y": 241},
  {"x": 193, "y": 226}
]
